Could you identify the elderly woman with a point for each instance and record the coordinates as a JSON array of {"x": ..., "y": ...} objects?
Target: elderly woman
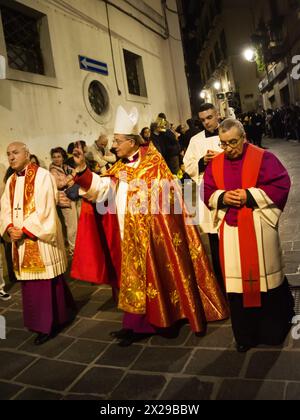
[{"x": 64, "y": 180}]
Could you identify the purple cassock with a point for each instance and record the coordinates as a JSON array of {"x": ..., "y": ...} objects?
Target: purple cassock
[
  {"x": 273, "y": 180},
  {"x": 47, "y": 304},
  {"x": 137, "y": 323}
]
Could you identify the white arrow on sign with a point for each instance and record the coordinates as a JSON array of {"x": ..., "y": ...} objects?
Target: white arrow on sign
[{"x": 87, "y": 65}]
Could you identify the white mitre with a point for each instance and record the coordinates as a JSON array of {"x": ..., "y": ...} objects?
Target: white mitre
[{"x": 126, "y": 123}]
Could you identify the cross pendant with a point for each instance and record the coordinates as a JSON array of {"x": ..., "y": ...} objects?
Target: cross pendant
[{"x": 17, "y": 210}]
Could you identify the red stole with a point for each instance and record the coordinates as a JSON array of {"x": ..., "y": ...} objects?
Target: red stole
[{"x": 246, "y": 228}]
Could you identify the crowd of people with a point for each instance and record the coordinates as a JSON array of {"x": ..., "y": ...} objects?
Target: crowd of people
[{"x": 162, "y": 270}]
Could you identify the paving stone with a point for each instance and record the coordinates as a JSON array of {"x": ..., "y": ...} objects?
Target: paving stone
[
  {"x": 215, "y": 338},
  {"x": 283, "y": 365},
  {"x": 12, "y": 363},
  {"x": 112, "y": 314},
  {"x": 14, "y": 319},
  {"x": 291, "y": 257},
  {"x": 81, "y": 397},
  {"x": 293, "y": 392},
  {"x": 15, "y": 338},
  {"x": 7, "y": 391},
  {"x": 287, "y": 246},
  {"x": 172, "y": 341},
  {"x": 139, "y": 387},
  {"x": 102, "y": 295},
  {"x": 51, "y": 348},
  {"x": 188, "y": 389},
  {"x": 98, "y": 381},
  {"x": 51, "y": 374},
  {"x": 162, "y": 359},
  {"x": 235, "y": 390},
  {"x": 33, "y": 394},
  {"x": 83, "y": 293},
  {"x": 83, "y": 351},
  {"x": 296, "y": 246},
  {"x": 216, "y": 363},
  {"x": 118, "y": 356},
  {"x": 89, "y": 310},
  {"x": 95, "y": 330}
]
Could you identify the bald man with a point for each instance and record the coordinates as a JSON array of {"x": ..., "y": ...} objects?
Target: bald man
[{"x": 29, "y": 219}]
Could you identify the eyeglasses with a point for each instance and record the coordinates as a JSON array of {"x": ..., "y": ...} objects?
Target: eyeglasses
[
  {"x": 233, "y": 144},
  {"x": 118, "y": 142}
]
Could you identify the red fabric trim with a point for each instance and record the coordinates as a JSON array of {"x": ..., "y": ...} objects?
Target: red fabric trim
[
  {"x": 218, "y": 171},
  {"x": 251, "y": 166},
  {"x": 9, "y": 226},
  {"x": 247, "y": 236},
  {"x": 84, "y": 180},
  {"x": 222, "y": 251},
  {"x": 29, "y": 234},
  {"x": 249, "y": 259}
]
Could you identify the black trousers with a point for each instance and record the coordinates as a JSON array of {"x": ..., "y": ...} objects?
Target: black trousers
[
  {"x": 267, "y": 325},
  {"x": 214, "y": 247}
]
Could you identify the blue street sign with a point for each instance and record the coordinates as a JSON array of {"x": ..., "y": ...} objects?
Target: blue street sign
[{"x": 92, "y": 65}]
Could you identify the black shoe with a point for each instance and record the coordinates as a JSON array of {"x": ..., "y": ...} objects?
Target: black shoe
[
  {"x": 42, "y": 339},
  {"x": 133, "y": 338},
  {"x": 241, "y": 348},
  {"x": 122, "y": 334}
]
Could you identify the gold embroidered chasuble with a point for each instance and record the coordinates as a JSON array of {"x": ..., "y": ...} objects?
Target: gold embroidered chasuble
[{"x": 165, "y": 271}]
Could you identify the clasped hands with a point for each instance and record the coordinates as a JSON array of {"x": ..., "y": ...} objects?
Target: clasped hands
[
  {"x": 236, "y": 198},
  {"x": 15, "y": 234}
]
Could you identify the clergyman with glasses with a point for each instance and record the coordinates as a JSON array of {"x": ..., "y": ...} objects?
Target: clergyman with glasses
[{"x": 247, "y": 189}]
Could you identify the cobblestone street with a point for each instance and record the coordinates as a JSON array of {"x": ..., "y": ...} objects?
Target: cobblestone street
[{"x": 84, "y": 362}]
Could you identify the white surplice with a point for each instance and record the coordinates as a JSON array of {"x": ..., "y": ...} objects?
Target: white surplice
[
  {"x": 99, "y": 191},
  {"x": 198, "y": 148},
  {"x": 266, "y": 222},
  {"x": 43, "y": 223}
]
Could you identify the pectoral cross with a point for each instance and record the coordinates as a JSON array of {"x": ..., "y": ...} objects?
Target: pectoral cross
[
  {"x": 17, "y": 210},
  {"x": 251, "y": 281}
]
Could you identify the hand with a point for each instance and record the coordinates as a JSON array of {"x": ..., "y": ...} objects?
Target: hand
[
  {"x": 79, "y": 158},
  {"x": 210, "y": 156},
  {"x": 70, "y": 181},
  {"x": 232, "y": 199},
  {"x": 243, "y": 196},
  {"x": 15, "y": 234}
]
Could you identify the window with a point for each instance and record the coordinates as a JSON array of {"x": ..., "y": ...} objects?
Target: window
[
  {"x": 21, "y": 29},
  {"x": 135, "y": 74},
  {"x": 98, "y": 97}
]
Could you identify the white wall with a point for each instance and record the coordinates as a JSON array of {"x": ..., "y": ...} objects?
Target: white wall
[{"x": 45, "y": 117}]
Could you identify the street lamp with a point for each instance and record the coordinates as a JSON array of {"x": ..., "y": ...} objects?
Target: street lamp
[
  {"x": 250, "y": 55},
  {"x": 202, "y": 95}
]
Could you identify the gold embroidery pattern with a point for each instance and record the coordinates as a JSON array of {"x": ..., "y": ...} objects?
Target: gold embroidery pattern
[
  {"x": 195, "y": 253},
  {"x": 134, "y": 289},
  {"x": 170, "y": 268},
  {"x": 32, "y": 261},
  {"x": 177, "y": 241},
  {"x": 152, "y": 293},
  {"x": 174, "y": 296}
]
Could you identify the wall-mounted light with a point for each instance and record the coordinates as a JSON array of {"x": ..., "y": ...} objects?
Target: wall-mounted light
[{"x": 250, "y": 55}]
